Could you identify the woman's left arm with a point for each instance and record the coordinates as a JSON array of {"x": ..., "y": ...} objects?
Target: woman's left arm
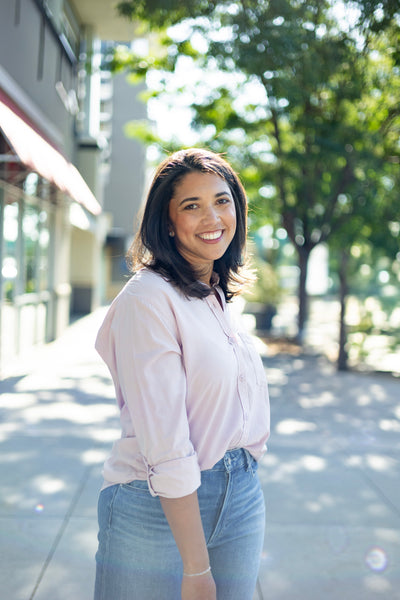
[{"x": 183, "y": 516}]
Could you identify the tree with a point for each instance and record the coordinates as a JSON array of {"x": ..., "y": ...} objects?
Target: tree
[
  {"x": 303, "y": 137},
  {"x": 374, "y": 228}
]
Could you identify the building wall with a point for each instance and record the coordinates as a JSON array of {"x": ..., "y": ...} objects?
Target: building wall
[
  {"x": 86, "y": 252},
  {"x": 124, "y": 189},
  {"x": 32, "y": 56},
  {"x": 123, "y": 193}
]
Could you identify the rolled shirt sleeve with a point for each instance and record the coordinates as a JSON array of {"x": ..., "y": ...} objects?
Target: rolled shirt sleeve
[{"x": 145, "y": 359}]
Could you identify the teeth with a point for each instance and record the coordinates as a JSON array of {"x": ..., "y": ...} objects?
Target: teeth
[{"x": 211, "y": 236}]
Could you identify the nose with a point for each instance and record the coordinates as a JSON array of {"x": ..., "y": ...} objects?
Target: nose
[{"x": 211, "y": 215}]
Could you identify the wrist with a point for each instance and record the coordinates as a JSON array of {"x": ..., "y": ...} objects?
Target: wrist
[
  {"x": 199, "y": 574},
  {"x": 195, "y": 566},
  {"x": 197, "y": 560}
]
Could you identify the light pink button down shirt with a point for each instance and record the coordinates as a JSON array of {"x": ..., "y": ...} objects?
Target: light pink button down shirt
[{"x": 189, "y": 386}]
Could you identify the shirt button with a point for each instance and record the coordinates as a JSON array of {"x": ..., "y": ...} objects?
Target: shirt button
[
  {"x": 231, "y": 340},
  {"x": 242, "y": 377}
]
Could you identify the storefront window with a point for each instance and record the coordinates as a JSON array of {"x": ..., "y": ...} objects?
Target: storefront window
[
  {"x": 10, "y": 261},
  {"x": 30, "y": 222},
  {"x": 44, "y": 242},
  {"x": 31, "y": 184}
]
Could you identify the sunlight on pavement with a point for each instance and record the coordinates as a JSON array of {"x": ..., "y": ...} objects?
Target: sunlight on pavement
[
  {"x": 14, "y": 401},
  {"x": 69, "y": 411},
  {"x": 7, "y": 429},
  {"x": 353, "y": 461},
  {"x": 48, "y": 485},
  {"x": 292, "y": 426},
  {"x": 389, "y": 425},
  {"x": 379, "y": 462},
  {"x": 313, "y": 463},
  {"x": 106, "y": 435},
  {"x": 276, "y": 377},
  {"x": 377, "y": 584},
  {"x": 324, "y": 398},
  {"x": 378, "y": 393},
  {"x": 94, "y": 456}
]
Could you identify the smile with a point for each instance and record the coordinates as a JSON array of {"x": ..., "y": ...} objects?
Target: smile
[{"x": 212, "y": 235}]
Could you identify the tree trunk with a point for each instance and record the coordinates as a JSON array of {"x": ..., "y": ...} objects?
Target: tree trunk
[
  {"x": 304, "y": 255},
  {"x": 342, "y": 364}
]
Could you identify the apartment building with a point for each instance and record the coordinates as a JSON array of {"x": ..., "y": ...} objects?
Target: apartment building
[{"x": 70, "y": 182}]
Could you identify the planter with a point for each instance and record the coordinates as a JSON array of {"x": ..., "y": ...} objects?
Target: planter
[{"x": 263, "y": 314}]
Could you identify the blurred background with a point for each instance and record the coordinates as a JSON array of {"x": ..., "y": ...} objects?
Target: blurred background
[{"x": 303, "y": 98}]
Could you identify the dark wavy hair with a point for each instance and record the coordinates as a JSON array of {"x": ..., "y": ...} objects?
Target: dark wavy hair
[{"x": 154, "y": 248}]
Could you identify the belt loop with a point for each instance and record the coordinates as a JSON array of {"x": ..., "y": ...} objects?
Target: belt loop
[
  {"x": 227, "y": 462},
  {"x": 248, "y": 459}
]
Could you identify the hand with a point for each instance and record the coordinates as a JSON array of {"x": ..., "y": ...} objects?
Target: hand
[{"x": 199, "y": 588}]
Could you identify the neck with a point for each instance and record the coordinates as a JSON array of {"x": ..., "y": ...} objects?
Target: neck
[{"x": 205, "y": 275}]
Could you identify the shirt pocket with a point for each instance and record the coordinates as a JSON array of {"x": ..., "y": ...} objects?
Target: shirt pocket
[{"x": 253, "y": 360}]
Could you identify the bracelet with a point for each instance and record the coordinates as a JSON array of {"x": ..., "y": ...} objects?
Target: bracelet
[{"x": 197, "y": 574}]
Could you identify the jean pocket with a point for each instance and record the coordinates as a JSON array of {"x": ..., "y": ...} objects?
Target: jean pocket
[{"x": 136, "y": 484}]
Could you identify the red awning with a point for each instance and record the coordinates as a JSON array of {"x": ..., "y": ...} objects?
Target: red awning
[{"x": 40, "y": 156}]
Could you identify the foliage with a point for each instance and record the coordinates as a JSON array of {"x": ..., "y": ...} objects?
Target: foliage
[
  {"x": 266, "y": 288},
  {"x": 162, "y": 13},
  {"x": 375, "y": 335},
  {"x": 377, "y": 17},
  {"x": 306, "y": 109}
]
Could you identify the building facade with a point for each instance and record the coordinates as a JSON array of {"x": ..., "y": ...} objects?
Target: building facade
[{"x": 57, "y": 139}]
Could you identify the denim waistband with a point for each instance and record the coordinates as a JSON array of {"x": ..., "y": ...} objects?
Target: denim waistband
[{"x": 233, "y": 460}]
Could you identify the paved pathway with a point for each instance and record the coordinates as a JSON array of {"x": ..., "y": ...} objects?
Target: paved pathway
[{"x": 331, "y": 476}]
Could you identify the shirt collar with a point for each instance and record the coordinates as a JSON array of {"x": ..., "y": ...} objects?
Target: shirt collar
[{"x": 214, "y": 279}]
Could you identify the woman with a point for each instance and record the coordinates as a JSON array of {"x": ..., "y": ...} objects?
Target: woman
[{"x": 181, "y": 511}]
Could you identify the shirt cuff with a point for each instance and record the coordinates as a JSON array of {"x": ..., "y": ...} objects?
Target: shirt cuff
[{"x": 174, "y": 478}]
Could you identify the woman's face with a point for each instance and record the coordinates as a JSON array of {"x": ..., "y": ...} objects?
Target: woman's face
[{"x": 203, "y": 220}]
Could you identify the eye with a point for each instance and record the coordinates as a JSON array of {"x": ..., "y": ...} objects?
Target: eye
[
  {"x": 225, "y": 200},
  {"x": 192, "y": 206}
]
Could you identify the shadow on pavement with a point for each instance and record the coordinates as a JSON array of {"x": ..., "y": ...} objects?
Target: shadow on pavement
[{"x": 331, "y": 476}]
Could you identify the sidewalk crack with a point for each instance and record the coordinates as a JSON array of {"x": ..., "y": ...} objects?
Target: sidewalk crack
[
  {"x": 381, "y": 493},
  {"x": 259, "y": 590},
  {"x": 62, "y": 529}
]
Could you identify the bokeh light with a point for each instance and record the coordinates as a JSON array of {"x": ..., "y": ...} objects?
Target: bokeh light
[{"x": 376, "y": 559}]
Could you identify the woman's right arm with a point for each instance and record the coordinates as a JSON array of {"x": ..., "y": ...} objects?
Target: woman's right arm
[
  {"x": 146, "y": 361},
  {"x": 183, "y": 515}
]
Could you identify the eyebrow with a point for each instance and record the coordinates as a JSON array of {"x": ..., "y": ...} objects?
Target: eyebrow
[{"x": 195, "y": 198}]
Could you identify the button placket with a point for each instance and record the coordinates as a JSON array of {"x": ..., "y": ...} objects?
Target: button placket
[{"x": 234, "y": 342}]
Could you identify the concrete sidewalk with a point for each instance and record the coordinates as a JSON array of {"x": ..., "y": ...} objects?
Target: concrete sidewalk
[{"x": 331, "y": 477}]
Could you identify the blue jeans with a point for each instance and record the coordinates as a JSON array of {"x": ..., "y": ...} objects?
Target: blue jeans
[{"x": 138, "y": 559}]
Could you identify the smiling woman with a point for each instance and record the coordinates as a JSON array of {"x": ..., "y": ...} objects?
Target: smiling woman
[
  {"x": 181, "y": 509},
  {"x": 203, "y": 225},
  {"x": 197, "y": 187}
]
